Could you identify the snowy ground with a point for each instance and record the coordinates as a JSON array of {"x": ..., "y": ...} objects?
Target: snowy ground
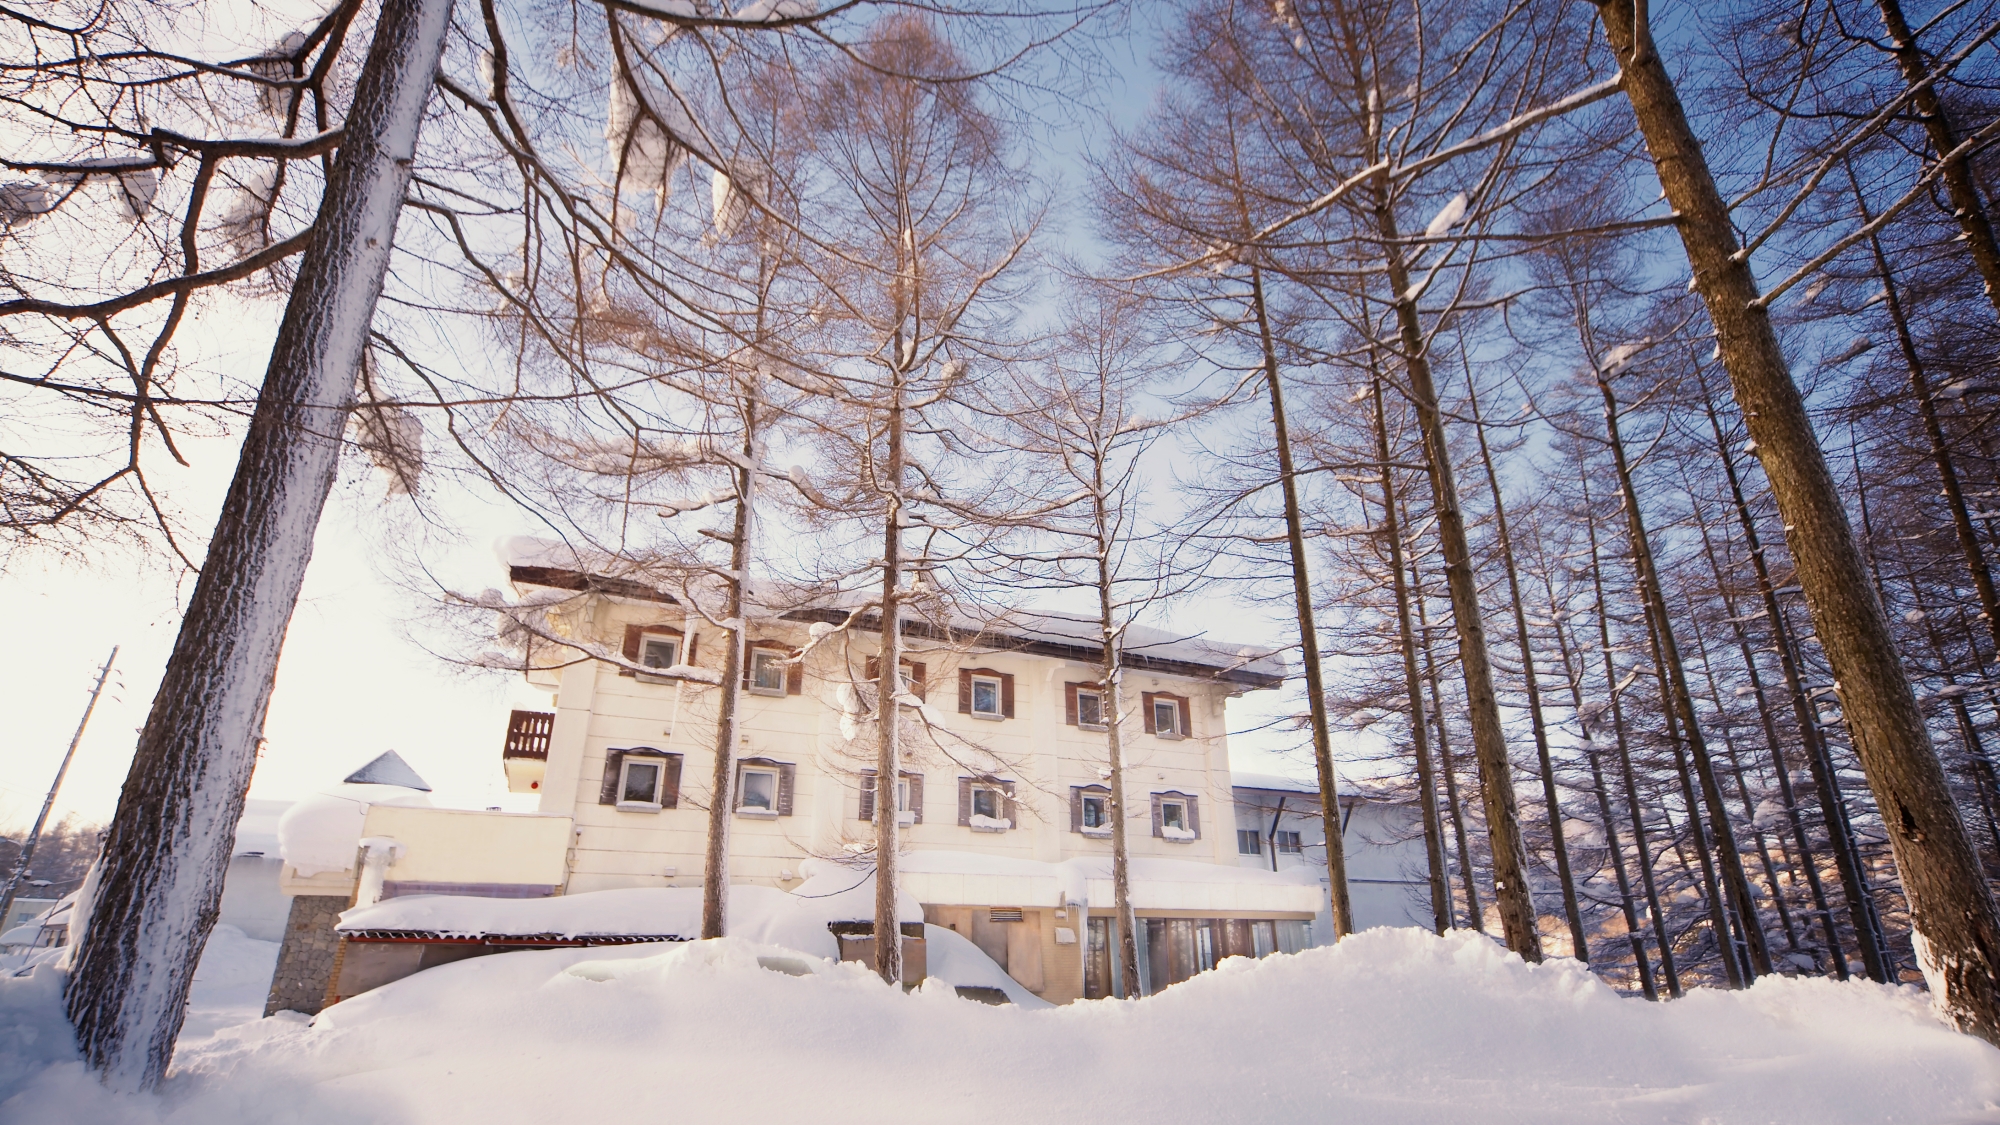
[{"x": 1392, "y": 1026}]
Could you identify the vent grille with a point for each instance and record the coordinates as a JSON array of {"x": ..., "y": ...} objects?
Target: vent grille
[{"x": 1004, "y": 914}]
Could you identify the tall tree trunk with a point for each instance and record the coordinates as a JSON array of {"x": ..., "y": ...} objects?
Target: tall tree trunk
[
  {"x": 160, "y": 886},
  {"x": 1735, "y": 764},
  {"x": 1953, "y": 491},
  {"x": 1718, "y": 913},
  {"x": 1967, "y": 207},
  {"x": 722, "y": 783},
  {"x": 1647, "y": 877},
  {"x": 889, "y": 688},
  {"x": 1474, "y": 913},
  {"x": 1952, "y": 912},
  {"x": 1833, "y": 806},
  {"x": 1329, "y": 788},
  {"x": 1828, "y": 931},
  {"x": 1392, "y": 532},
  {"x": 1511, "y": 891},
  {"x": 1574, "y": 674},
  {"x": 1679, "y": 700},
  {"x": 1114, "y": 743},
  {"x": 1530, "y": 683}
]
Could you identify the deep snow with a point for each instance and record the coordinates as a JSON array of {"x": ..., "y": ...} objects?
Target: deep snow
[{"x": 1391, "y": 1026}]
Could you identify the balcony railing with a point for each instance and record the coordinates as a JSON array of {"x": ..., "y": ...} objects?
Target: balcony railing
[{"x": 528, "y": 735}]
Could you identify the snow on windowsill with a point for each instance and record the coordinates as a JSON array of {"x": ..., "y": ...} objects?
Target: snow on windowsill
[
  {"x": 1097, "y": 833},
  {"x": 1179, "y": 835},
  {"x": 760, "y": 814},
  {"x": 638, "y": 806},
  {"x": 988, "y": 824}
]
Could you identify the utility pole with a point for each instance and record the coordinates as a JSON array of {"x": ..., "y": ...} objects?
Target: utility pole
[{"x": 28, "y": 848}]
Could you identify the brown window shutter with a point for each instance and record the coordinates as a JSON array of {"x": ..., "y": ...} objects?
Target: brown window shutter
[
  {"x": 1146, "y": 708},
  {"x": 867, "y": 795},
  {"x": 1194, "y": 815},
  {"x": 749, "y": 661},
  {"x": 965, "y": 691},
  {"x": 918, "y": 684},
  {"x": 873, "y": 669},
  {"x": 1076, "y": 808},
  {"x": 1069, "y": 704},
  {"x": 795, "y": 677},
  {"x": 787, "y": 774},
  {"x": 608, "y": 794},
  {"x": 1156, "y": 814},
  {"x": 1187, "y": 717},
  {"x": 965, "y": 802},
  {"x": 916, "y": 797},
  {"x": 1006, "y": 695},
  {"x": 1009, "y": 813},
  {"x": 670, "y": 782},
  {"x": 630, "y": 650},
  {"x": 693, "y": 640}
]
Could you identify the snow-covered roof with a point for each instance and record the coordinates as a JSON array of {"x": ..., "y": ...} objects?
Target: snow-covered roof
[
  {"x": 388, "y": 768},
  {"x": 831, "y": 893},
  {"x": 540, "y": 562}
]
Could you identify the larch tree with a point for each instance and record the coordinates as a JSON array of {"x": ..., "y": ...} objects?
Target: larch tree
[{"x": 1953, "y": 911}]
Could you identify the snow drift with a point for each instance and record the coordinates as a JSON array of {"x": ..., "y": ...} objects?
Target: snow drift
[{"x": 1391, "y": 1026}]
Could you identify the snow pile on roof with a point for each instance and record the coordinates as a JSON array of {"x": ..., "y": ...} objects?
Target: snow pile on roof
[
  {"x": 322, "y": 832},
  {"x": 795, "y": 919},
  {"x": 1390, "y": 1027}
]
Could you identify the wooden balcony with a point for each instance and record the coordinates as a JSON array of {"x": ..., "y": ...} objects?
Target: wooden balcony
[
  {"x": 526, "y": 753},
  {"x": 528, "y": 735}
]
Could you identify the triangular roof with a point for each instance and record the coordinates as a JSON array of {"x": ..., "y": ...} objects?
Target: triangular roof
[{"x": 388, "y": 769}]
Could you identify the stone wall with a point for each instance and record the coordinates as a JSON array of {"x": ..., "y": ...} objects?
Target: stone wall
[{"x": 305, "y": 960}]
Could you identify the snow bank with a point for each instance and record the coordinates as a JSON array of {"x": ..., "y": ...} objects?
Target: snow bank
[{"x": 1391, "y": 1026}]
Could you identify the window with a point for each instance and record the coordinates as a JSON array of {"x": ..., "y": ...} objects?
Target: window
[
  {"x": 759, "y": 791},
  {"x": 1096, "y": 812},
  {"x": 639, "y": 782},
  {"x": 1175, "y": 817},
  {"x": 985, "y": 805},
  {"x": 909, "y": 797},
  {"x": 986, "y": 802},
  {"x": 1090, "y": 709},
  {"x": 1166, "y": 716},
  {"x": 767, "y": 671},
  {"x": 641, "y": 779},
  {"x": 1287, "y": 843},
  {"x": 986, "y": 697},
  {"x": 1248, "y": 842},
  {"x": 659, "y": 652}
]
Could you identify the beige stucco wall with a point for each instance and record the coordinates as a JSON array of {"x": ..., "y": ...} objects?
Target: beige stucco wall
[
  {"x": 472, "y": 846},
  {"x": 597, "y": 710}
]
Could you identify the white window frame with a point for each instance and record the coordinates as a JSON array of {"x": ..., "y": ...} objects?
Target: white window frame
[
  {"x": 999, "y": 812},
  {"x": 659, "y": 768},
  {"x": 998, "y": 711},
  {"x": 1100, "y": 724},
  {"x": 1165, "y": 822},
  {"x": 673, "y": 644},
  {"x": 1172, "y": 727},
  {"x": 743, "y": 789},
  {"x": 777, "y": 660},
  {"x": 1104, "y": 803}
]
